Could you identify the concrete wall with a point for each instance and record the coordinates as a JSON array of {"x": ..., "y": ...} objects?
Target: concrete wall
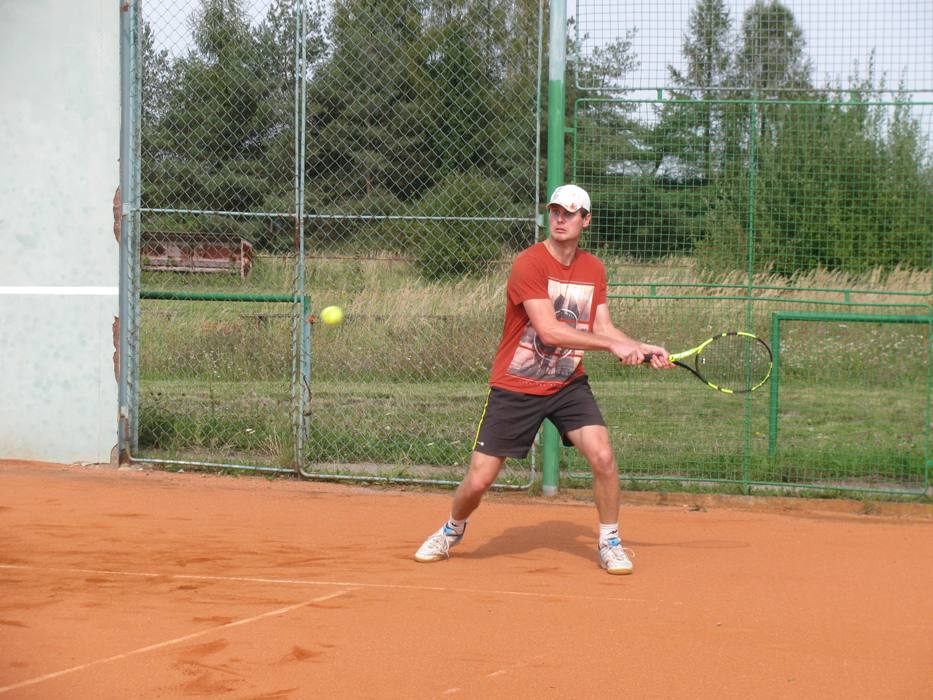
[{"x": 59, "y": 167}]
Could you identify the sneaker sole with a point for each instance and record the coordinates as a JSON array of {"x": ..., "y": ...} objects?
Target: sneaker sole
[
  {"x": 616, "y": 572},
  {"x": 428, "y": 560}
]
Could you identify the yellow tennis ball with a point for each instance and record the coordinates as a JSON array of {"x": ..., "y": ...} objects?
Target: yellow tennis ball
[{"x": 332, "y": 315}]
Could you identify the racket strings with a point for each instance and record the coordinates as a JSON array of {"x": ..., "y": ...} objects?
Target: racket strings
[{"x": 734, "y": 362}]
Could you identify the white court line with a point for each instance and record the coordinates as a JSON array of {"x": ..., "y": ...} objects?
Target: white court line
[
  {"x": 170, "y": 642},
  {"x": 352, "y": 584},
  {"x": 62, "y": 291}
]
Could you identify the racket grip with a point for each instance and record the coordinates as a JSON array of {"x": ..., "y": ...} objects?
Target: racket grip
[{"x": 647, "y": 359}]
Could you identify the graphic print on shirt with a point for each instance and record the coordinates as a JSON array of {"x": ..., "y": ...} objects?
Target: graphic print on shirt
[{"x": 535, "y": 360}]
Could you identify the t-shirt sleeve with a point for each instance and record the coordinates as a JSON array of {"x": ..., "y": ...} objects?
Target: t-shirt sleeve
[
  {"x": 601, "y": 291},
  {"x": 528, "y": 280}
]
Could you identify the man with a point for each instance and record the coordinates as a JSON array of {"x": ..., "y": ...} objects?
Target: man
[{"x": 556, "y": 309}]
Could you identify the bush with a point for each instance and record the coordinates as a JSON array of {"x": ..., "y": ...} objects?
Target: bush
[
  {"x": 642, "y": 219},
  {"x": 447, "y": 249}
]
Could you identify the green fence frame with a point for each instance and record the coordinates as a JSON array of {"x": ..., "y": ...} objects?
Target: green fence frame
[
  {"x": 747, "y": 484},
  {"x": 880, "y": 305},
  {"x": 301, "y": 367},
  {"x": 778, "y": 316}
]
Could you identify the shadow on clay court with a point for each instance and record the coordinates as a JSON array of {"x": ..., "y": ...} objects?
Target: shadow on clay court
[
  {"x": 559, "y": 535},
  {"x": 691, "y": 544},
  {"x": 572, "y": 538}
]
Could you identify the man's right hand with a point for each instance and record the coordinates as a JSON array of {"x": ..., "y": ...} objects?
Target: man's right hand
[{"x": 629, "y": 352}]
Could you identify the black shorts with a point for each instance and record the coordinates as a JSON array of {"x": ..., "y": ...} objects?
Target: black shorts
[{"x": 511, "y": 420}]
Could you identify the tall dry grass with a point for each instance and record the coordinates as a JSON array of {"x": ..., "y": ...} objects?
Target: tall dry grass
[{"x": 400, "y": 326}]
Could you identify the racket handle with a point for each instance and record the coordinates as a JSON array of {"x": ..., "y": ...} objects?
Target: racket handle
[{"x": 647, "y": 359}]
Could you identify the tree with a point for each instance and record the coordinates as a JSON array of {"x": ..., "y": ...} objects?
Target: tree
[
  {"x": 210, "y": 136},
  {"x": 771, "y": 58},
  {"x": 414, "y": 95},
  {"x": 691, "y": 128},
  {"x": 368, "y": 133},
  {"x": 606, "y": 131},
  {"x": 845, "y": 185},
  {"x": 278, "y": 57},
  {"x": 156, "y": 68},
  {"x": 706, "y": 48},
  {"x": 771, "y": 62}
]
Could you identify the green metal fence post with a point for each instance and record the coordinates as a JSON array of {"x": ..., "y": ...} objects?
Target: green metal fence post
[
  {"x": 775, "y": 386},
  {"x": 557, "y": 60},
  {"x": 750, "y": 280},
  {"x": 928, "y": 412}
]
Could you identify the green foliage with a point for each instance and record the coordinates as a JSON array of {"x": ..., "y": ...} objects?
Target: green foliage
[
  {"x": 419, "y": 111},
  {"x": 406, "y": 101},
  {"x": 836, "y": 179},
  {"x": 693, "y": 131},
  {"x": 843, "y": 185},
  {"x": 771, "y": 57},
  {"x": 645, "y": 222},
  {"x": 452, "y": 248},
  {"x": 213, "y": 120}
]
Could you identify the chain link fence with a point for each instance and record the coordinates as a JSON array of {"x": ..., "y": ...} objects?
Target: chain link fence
[
  {"x": 379, "y": 156},
  {"x": 765, "y": 166},
  {"x": 745, "y": 160}
]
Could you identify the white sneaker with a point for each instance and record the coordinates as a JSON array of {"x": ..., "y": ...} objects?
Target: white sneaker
[
  {"x": 613, "y": 558},
  {"x": 438, "y": 545}
]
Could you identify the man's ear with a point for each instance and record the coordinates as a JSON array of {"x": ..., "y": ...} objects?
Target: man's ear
[{"x": 586, "y": 219}]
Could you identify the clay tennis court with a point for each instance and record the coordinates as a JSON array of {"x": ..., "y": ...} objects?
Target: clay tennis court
[{"x": 144, "y": 584}]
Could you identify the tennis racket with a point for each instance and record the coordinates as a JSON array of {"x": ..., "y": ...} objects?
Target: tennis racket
[{"x": 732, "y": 362}]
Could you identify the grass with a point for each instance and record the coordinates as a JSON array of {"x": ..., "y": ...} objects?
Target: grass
[{"x": 398, "y": 388}]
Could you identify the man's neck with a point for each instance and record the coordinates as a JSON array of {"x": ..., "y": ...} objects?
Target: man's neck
[{"x": 564, "y": 253}]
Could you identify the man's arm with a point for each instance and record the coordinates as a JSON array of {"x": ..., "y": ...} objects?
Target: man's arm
[
  {"x": 604, "y": 326},
  {"x": 605, "y": 335}
]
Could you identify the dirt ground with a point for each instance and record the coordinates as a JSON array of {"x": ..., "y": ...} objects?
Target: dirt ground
[{"x": 145, "y": 584}]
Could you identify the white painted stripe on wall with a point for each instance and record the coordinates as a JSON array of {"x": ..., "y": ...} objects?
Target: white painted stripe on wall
[{"x": 62, "y": 291}]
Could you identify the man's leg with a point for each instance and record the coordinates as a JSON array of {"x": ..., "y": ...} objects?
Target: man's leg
[
  {"x": 593, "y": 443},
  {"x": 480, "y": 475}
]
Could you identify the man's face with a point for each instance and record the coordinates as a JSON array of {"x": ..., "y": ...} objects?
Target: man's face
[{"x": 566, "y": 226}]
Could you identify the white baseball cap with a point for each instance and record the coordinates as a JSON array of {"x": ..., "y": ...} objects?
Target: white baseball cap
[{"x": 571, "y": 198}]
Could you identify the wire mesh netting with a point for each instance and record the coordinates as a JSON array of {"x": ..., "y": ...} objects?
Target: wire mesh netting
[
  {"x": 744, "y": 159},
  {"x": 846, "y": 408},
  {"x": 748, "y": 160},
  {"x": 784, "y": 187},
  {"x": 379, "y": 156},
  {"x": 756, "y": 44}
]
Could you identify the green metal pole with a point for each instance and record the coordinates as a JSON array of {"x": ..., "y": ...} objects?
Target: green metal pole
[
  {"x": 213, "y": 296},
  {"x": 750, "y": 272},
  {"x": 928, "y": 412},
  {"x": 775, "y": 386},
  {"x": 557, "y": 61}
]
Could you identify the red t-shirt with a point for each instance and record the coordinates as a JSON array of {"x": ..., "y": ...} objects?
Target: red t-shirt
[{"x": 523, "y": 363}]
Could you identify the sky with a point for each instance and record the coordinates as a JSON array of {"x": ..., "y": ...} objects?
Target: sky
[
  {"x": 840, "y": 36},
  {"x": 837, "y": 33}
]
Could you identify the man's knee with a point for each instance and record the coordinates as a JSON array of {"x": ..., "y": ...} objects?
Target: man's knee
[
  {"x": 482, "y": 473},
  {"x": 602, "y": 461}
]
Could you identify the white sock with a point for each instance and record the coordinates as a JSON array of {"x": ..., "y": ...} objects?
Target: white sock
[
  {"x": 607, "y": 531},
  {"x": 458, "y": 526}
]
